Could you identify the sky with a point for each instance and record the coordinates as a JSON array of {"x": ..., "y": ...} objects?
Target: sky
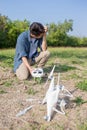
[{"x": 48, "y": 11}]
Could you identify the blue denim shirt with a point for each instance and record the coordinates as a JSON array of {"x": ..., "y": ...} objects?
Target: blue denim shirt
[{"x": 26, "y": 46}]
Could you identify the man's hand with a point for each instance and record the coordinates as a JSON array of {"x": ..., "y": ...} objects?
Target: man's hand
[
  {"x": 31, "y": 70},
  {"x": 46, "y": 29},
  {"x": 25, "y": 61},
  {"x": 44, "y": 42}
]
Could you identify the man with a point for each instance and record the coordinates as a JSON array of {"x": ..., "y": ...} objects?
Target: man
[{"x": 27, "y": 53}]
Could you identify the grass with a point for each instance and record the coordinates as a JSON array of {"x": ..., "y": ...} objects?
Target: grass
[
  {"x": 65, "y": 59},
  {"x": 65, "y": 55},
  {"x": 38, "y": 80},
  {"x": 79, "y": 101},
  {"x": 2, "y": 92},
  {"x": 31, "y": 91},
  {"x": 8, "y": 83},
  {"x": 70, "y": 55},
  {"x": 6, "y": 57},
  {"x": 82, "y": 85},
  {"x": 82, "y": 126},
  {"x": 70, "y": 62}
]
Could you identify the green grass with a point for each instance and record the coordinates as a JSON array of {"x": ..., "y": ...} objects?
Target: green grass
[
  {"x": 82, "y": 85},
  {"x": 31, "y": 91},
  {"x": 79, "y": 53},
  {"x": 8, "y": 83},
  {"x": 79, "y": 101},
  {"x": 82, "y": 126},
  {"x": 38, "y": 80},
  {"x": 7, "y": 57},
  {"x": 68, "y": 55},
  {"x": 2, "y": 92},
  {"x": 65, "y": 59}
]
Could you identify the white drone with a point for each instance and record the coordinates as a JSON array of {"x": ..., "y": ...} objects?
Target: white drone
[{"x": 52, "y": 98}]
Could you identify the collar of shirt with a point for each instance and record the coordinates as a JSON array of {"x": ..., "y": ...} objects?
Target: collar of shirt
[{"x": 31, "y": 39}]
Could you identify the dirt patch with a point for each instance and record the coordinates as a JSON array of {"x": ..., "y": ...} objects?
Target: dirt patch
[{"x": 15, "y": 95}]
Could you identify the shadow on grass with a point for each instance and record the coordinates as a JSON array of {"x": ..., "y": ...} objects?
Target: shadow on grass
[
  {"x": 4, "y": 57},
  {"x": 59, "y": 68},
  {"x": 69, "y": 53}
]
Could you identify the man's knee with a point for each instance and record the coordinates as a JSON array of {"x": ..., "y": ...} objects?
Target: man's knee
[
  {"x": 46, "y": 53},
  {"x": 22, "y": 76},
  {"x": 22, "y": 72}
]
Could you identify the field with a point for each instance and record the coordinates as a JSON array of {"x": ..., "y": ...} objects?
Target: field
[{"x": 15, "y": 94}]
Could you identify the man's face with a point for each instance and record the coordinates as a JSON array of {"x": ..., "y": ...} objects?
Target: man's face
[{"x": 40, "y": 36}]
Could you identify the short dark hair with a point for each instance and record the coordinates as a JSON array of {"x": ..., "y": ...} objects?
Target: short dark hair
[{"x": 36, "y": 28}]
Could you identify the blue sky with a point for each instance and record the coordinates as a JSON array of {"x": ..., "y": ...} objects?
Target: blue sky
[{"x": 48, "y": 11}]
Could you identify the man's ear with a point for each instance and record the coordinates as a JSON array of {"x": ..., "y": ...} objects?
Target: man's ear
[{"x": 31, "y": 35}]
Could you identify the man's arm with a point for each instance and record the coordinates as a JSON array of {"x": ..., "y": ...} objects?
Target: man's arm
[
  {"x": 25, "y": 61},
  {"x": 44, "y": 42}
]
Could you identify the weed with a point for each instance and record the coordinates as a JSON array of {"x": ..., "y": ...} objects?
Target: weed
[
  {"x": 82, "y": 85},
  {"x": 8, "y": 83},
  {"x": 31, "y": 91},
  {"x": 75, "y": 76},
  {"x": 38, "y": 80},
  {"x": 2, "y": 92},
  {"x": 82, "y": 126},
  {"x": 79, "y": 101}
]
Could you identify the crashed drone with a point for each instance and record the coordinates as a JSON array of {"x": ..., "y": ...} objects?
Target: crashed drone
[{"x": 54, "y": 97}]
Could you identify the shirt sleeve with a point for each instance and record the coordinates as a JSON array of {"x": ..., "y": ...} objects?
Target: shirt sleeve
[
  {"x": 40, "y": 43},
  {"x": 21, "y": 48}
]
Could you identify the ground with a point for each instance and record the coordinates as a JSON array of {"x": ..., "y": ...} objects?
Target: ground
[{"x": 14, "y": 95}]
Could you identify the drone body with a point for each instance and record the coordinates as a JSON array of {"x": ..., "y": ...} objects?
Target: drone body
[{"x": 52, "y": 97}]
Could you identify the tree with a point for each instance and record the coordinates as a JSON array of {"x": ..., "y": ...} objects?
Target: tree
[
  {"x": 9, "y": 31},
  {"x": 16, "y": 27},
  {"x": 84, "y": 41},
  {"x": 57, "y": 34},
  {"x": 4, "y": 20}
]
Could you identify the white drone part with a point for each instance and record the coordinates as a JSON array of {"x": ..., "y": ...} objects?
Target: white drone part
[
  {"x": 24, "y": 111},
  {"x": 51, "y": 73},
  {"x": 37, "y": 73},
  {"x": 50, "y": 89}
]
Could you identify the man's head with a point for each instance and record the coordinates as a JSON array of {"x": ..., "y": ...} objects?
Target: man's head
[{"x": 37, "y": 30}]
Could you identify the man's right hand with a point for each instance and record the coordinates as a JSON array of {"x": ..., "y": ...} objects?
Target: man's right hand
[{"x": 31, "y": 70}]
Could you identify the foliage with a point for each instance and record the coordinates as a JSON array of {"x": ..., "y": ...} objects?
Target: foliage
[
  {"x": 72, "y": 41},
  {"x": 83, "y": 126},
  {"x": 38, "y": 80},
  {"x": 57, "y": 33},
  {"x": 31, "y": 91},
  {"x": 16, "y": 28},
  {"x": 79, "y": 101},
  {"x": 82, "y": 85},
  {"x": 9, "y": 31},
  {"x": 2, "y": 92},
  {"x": 83, "y": 41},
  {"x": 3, "y": 29}
]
